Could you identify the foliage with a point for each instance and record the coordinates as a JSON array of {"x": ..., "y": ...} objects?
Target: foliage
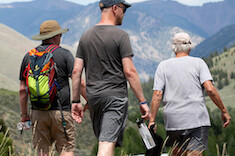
[
  {"x": 132, "y": 143},
  {"x": 219, "y": 135},
  {"x": 208, "y": 61},
  {"x": 3, "y": 127},
  {"x": 6, "y": 147},
  {"x": 232, "y": 75}
]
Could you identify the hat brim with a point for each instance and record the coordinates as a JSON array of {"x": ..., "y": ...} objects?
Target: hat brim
[
  {"x": 50, "y": 35},
  {"x": 127, "y": 4}
]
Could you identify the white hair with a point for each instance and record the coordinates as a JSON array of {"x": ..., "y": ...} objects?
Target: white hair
[
  {"x": 181, "y": 47},
  {"x": 181, "y": 42}
]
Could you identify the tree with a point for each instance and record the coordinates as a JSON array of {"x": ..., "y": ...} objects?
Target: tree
[
  {"x": 225, "y": 49},
  {"x": 226, "y": 81},
  {"x": 232, "y": 75},
  {"x": 220, "y": 84}
]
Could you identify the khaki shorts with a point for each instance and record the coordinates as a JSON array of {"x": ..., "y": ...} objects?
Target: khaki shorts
[{"x": 47, "y": 129}]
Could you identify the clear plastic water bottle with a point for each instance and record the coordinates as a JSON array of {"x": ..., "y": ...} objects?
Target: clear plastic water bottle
[
  {"x": 145, "y": 134},
  {"x": 24, "y": 125}
]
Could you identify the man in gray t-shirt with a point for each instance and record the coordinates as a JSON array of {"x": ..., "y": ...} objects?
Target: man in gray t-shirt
[
  {"x": 182, "y": 81},
  {"x": 106, "y": 46},
  {"x": 106, "y": 54}
]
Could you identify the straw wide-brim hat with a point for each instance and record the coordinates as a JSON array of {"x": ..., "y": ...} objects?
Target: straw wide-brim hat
[{"x": 49, "y": 29}]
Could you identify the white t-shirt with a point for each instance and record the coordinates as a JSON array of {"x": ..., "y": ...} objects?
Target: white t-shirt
[{"x": 181, "y": 81}]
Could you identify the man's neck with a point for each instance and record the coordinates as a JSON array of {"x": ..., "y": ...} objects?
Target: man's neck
[
  {"x": 105, "y": 23},
  {"x": 47, "y": 42},
  {"x": 107, "y": 19},
  {"x": 181, "y": 54}
]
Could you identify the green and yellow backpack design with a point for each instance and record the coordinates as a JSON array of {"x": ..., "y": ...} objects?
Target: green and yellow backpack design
[{"x": 40, "y": 78}]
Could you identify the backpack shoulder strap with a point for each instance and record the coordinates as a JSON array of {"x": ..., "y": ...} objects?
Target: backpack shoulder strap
[
  {"x": 33, "y": 52},
  {"x": 52, "y": 48}
]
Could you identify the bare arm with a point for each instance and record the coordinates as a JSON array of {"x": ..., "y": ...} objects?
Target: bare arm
[
  {"x": 214, "y": 95},
  {"x": 77, "y": 109},
  {"x": 155, "y": 104},
  {"x": 23, "y": 102},
  {"x": 134, "y": 81},
  {"x": 83, "y": 89},
  {"x": 75, "y": 81}
]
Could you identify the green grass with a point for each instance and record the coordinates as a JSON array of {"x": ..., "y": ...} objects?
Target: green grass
[
  {"x": 226, "y": 62},
  {"x": 227, "y": 96}
]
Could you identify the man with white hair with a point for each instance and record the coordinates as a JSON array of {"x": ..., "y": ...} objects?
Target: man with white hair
[{"x": 182, "y": 81}]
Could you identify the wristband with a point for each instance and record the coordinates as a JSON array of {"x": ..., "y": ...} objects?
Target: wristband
[
  {"x": 142, "y": 103},
  {"x": 76, "y": 101}
]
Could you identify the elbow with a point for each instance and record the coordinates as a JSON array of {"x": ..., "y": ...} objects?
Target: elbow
[
  {"x": 210, "y": 91},
  {"x": 22, "y": 88},
  {"x": 22, "y": 91},
  {"x": 75, "y": 71},
  {"x": 130, "y": 73},
  {"x": 157, "y": 95}
]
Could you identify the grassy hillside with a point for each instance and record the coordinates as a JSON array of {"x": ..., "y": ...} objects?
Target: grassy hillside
[{"x": 224, "y": 62}]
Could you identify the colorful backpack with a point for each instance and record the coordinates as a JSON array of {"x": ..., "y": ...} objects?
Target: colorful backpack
[{"x": 40, "y": 78}]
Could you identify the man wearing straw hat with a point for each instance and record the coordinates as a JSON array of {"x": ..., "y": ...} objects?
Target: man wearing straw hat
[
  {"x": 182, "y": 81},
  {"x": 47, "y": 124}
]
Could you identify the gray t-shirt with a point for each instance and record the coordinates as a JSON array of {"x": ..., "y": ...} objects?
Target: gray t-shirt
[
  {"x": 102, "y": 48},
  {"x": 181, "y": 80}
]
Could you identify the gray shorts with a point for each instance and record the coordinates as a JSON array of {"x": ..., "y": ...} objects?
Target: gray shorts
[
  {"x": 195, "y": 139},
  {"x": 108, "y": 115}
]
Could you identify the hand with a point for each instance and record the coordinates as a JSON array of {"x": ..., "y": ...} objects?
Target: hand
[
  {"x": 225, "y": 118},
  {"x": 150, "y": 124},
  {"x": 25, "y": 118},
  {"x": 77, "y": 112},
  {"x": 155, "y": 126},
  {"x": 145, "y": 111}
]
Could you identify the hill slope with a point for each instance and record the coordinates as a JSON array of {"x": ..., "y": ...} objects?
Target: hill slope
[
  {"x": 223, "y": 38},
  {"x": 13, "y": 47},
  {"x": 223, "y": 67}
]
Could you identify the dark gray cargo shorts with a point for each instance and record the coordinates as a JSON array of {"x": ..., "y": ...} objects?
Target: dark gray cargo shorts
[
  {"x": 108, "y": 115},
  {"x": 195, "y": 139}
]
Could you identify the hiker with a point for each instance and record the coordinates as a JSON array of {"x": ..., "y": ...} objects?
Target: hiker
[
  {"x": 106, "y": 54},
  {"x": 182, "y": 81},
  {"x": 49, "y": 91}
]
